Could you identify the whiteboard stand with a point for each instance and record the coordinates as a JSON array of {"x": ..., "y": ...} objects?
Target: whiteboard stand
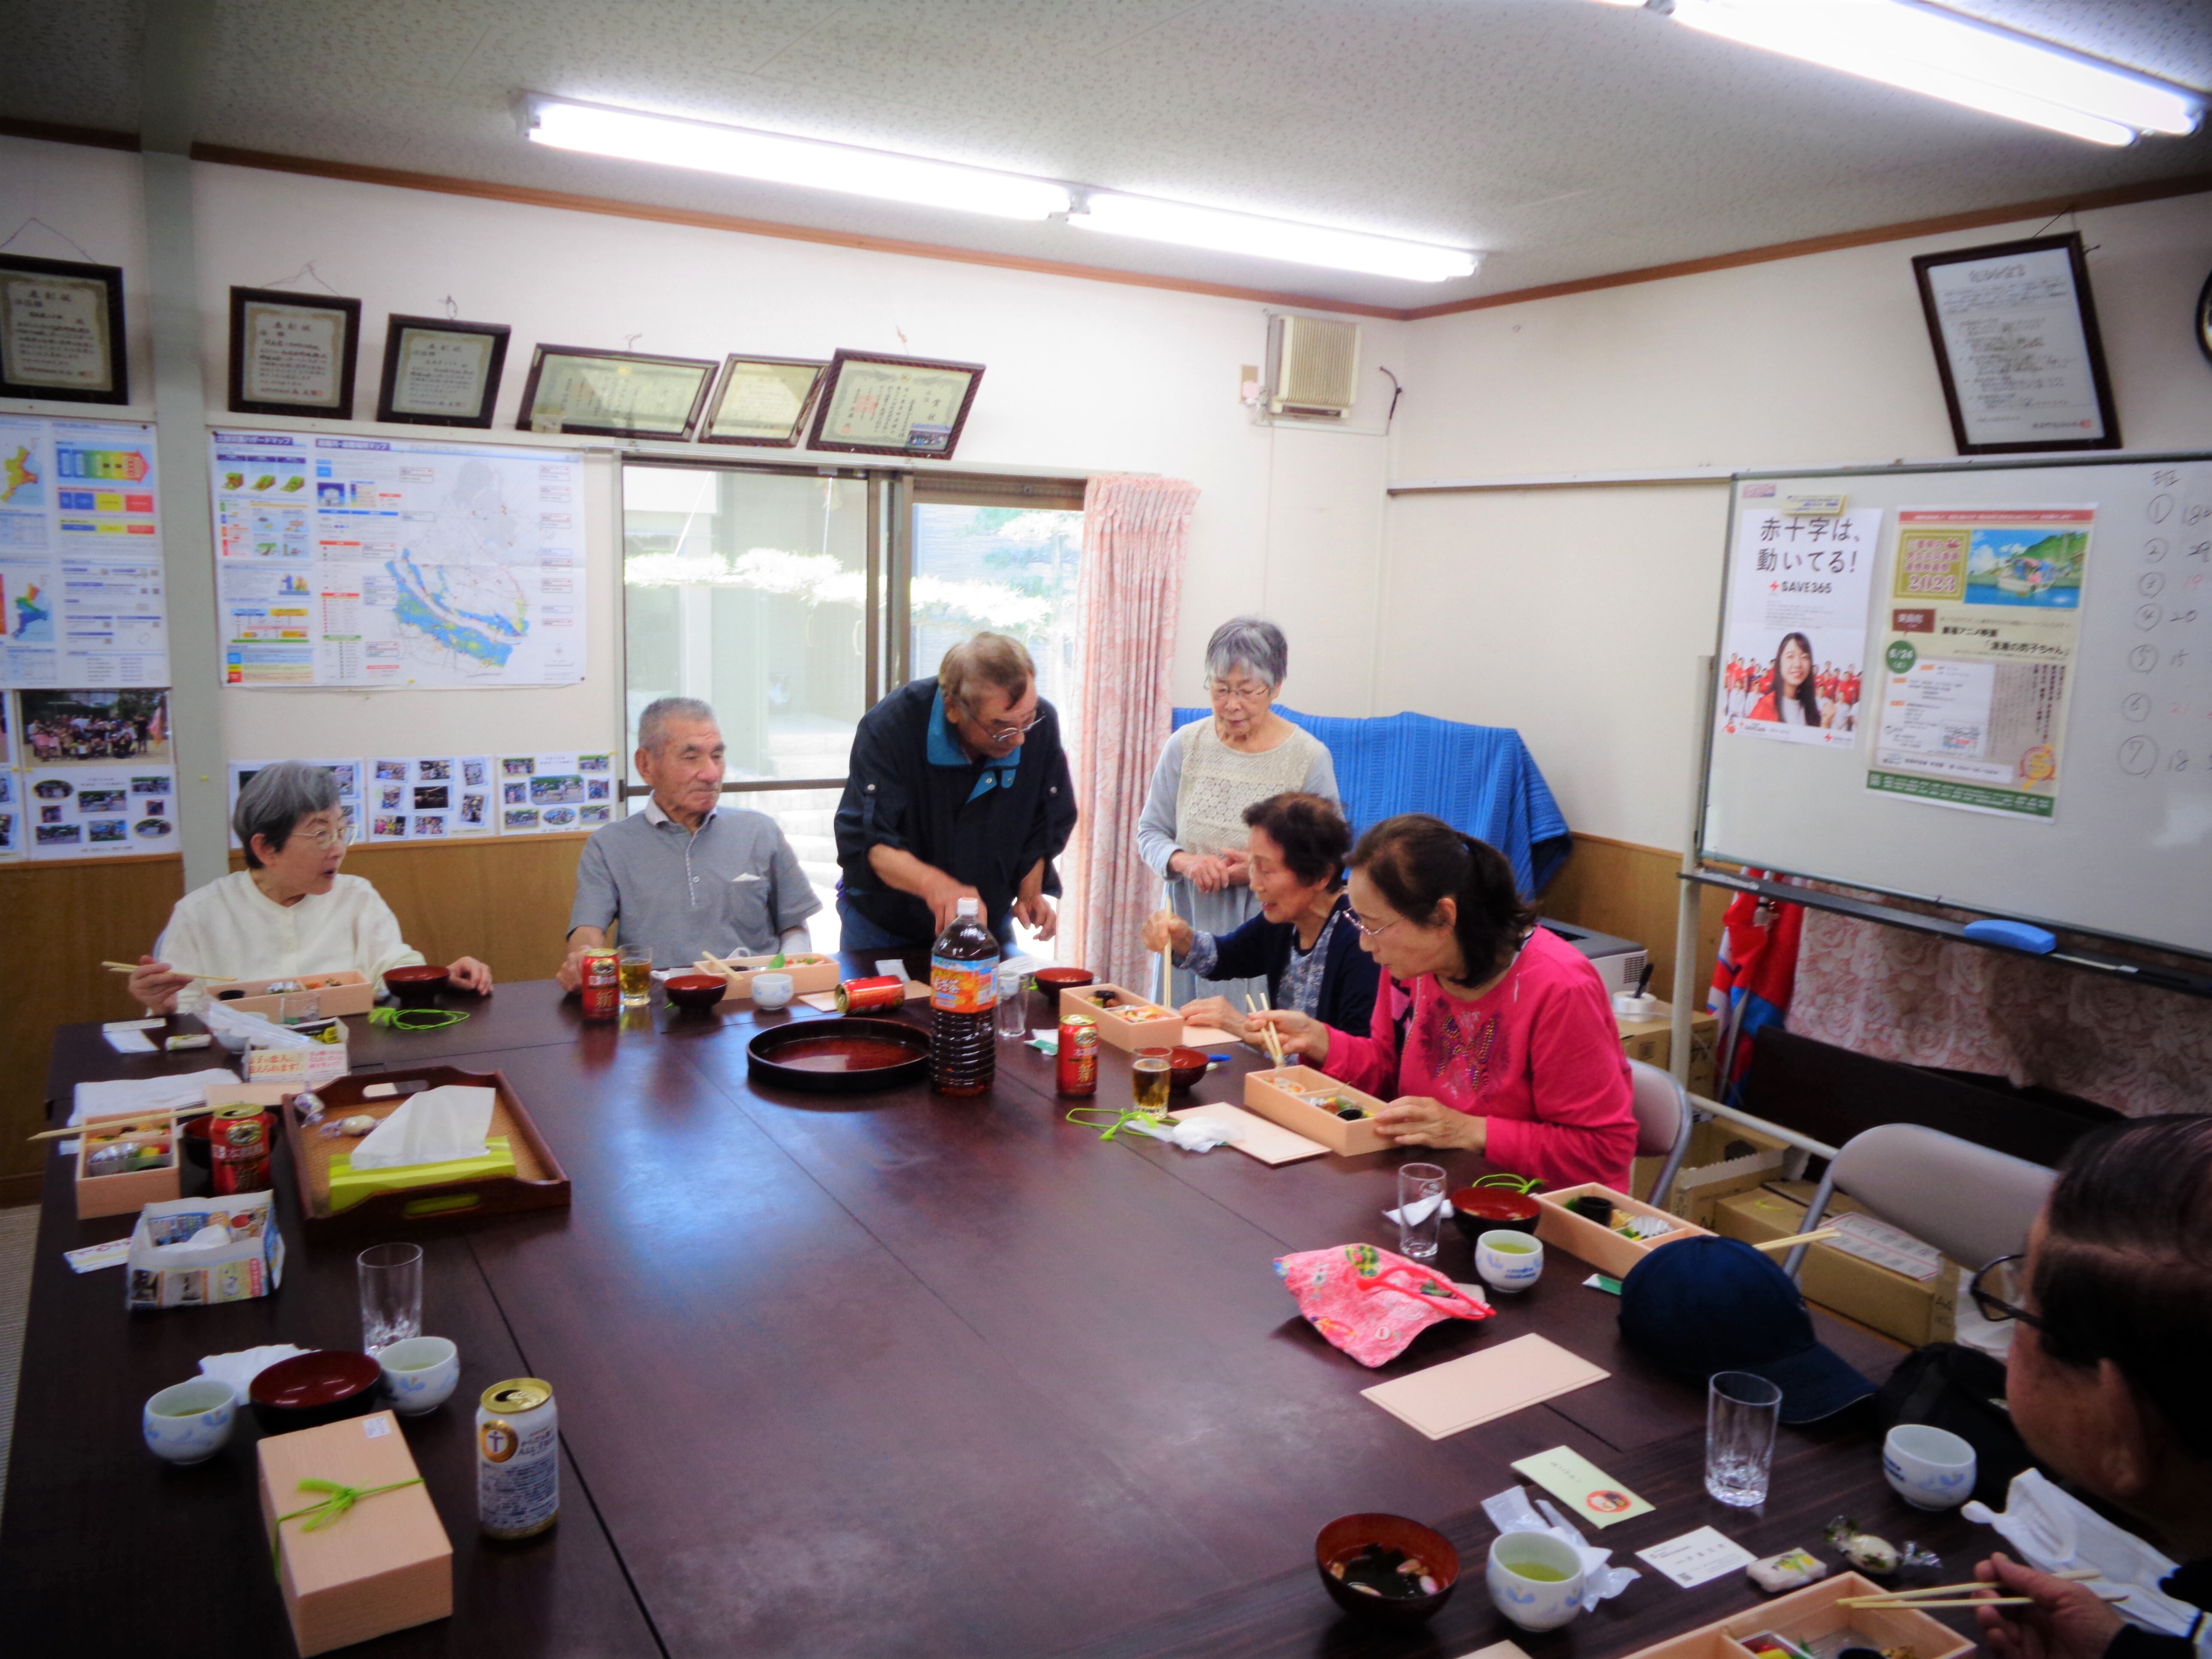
[{"x": 1687, "y": 902}]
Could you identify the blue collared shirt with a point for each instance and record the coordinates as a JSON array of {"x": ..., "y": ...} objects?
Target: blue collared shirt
[{"x": 944, "y": 750}]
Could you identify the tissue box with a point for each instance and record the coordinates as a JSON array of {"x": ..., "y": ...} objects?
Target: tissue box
[
  {"x": 126, "y": 1190},
  {"x": 164, "y": 1271},
  {"x": 346, "y": 992},
  {"x": 1347, "y": 1137},
  {"x": 350, "y": 1186},
  {"x": 1164, "y": 1032},
  {"x": 383, "y": 1565}
]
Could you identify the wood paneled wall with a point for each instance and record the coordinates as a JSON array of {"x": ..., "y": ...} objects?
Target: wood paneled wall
[
  {"x": 503, "y": 899},
  {"x": 1620, "y": 888}
]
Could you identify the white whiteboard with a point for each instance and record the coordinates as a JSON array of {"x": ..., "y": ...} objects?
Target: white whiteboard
[{"x": 2127, "y": 850}]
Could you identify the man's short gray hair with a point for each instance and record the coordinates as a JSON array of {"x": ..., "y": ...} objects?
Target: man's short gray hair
[
  {"x": 662, "y": 712},
  {"x": 276, "y": 798},
  {"x": 1249, "y": 643}
]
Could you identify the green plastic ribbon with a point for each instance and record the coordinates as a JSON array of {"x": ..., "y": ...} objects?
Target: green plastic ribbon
[
  {"x": 415, "y": 1019},
  {"x": 1525, "y": 1185},
  {"x": 331, "y": 1509},
  {"x": 1121, "y": 1119}
]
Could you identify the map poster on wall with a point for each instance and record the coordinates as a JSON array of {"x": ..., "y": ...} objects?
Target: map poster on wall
[
  {"x": 77, "y": 813},
  {"x": 82, "y": 591},
  {"x": 1800, "y": 586},
  {"x": 1981, "y": 629},
  {"x": 546, "y": 793},
  {"x": 428, "y": 798},
  {"x": 373, "y": 564}
]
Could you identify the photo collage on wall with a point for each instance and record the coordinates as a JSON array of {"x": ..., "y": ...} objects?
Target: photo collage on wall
[
  {"x": 428, "y": 798},
  {"x": 389, "y": 799},
  {"x": 541, "y": 795},
  {"x": 86, "y": 773}
]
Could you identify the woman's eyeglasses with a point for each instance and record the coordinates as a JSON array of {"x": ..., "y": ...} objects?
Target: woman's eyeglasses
[
  {"x": 1372, "y": 930},
  {"x": 1993, "y": 1307},
  {"x": 1242, "y": 696}
]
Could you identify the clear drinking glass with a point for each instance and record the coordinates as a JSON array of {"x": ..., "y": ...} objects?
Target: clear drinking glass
[
  {"x": 1420, "y": 1209},
  {"x": 391, "y": 1294},
  {"x": 634, "y": 965},
  {"x": 1013, "y": 1024},
  {"x": 1741, "y": 1412}
]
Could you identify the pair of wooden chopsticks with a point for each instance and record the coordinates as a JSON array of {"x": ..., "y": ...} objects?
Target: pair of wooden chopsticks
[
  {"x": 133, "y": 967},
  {"x": 1813, "y": 1237},
  {"x": 1267, "y": 1033},
  {"x": 1947, "y": 1595},
  {"x": 119, "y": 1123}
]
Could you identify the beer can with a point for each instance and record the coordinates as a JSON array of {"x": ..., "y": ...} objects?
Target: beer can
[
  {"x": 871, "y": 996},
  {"x": 1079, "y": 1055},
  {"x": 602, "y": 983},
  {"x": 518, "y": 1458},
  {"x": 238, "y": 1150}
]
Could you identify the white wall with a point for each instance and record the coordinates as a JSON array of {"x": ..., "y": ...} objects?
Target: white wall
[
  {"x": 1082, "y": 377},
  {"x": 1575, "y": 614}
]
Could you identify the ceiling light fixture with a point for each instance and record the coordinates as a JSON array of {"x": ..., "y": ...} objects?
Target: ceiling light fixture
[
  {"x": 1225, "y": 232},
  {"x": 777, "y": 158},
  {"x": 1922, "y": 49},
  {"x": 632, "y": 134}
]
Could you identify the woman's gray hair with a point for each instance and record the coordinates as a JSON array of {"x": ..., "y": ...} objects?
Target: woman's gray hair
[
  {"x": 1249, "y": 643},
  {"x": 276, "y": 798}
]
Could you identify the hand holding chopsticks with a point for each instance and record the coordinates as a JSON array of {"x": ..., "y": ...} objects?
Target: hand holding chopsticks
[
  {"x": 1269, "y": 1035},
  {"x": 133, "y": 967}
]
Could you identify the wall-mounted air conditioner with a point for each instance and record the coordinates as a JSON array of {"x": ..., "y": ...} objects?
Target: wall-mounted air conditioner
[{"x": 1313, "y": 364}]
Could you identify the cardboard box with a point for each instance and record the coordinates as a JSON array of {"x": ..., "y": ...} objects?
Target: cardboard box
[
  {"x": 1611, "y": 1253},
  {"x": 1348, "y": 1137},
  {"x": 384, "y": 1565},
  {"x": 1914, "y": 1311},
  {"x": 127, "y": 1190},
  {"x": 814, "y": 973},
  {"x": 1650, "y": 1038},
  {"x": 1723, "y": 1159},
  {"x": 1810, "y": 1615},
  {"x": 166, "y": 1269},
  {"x": 346, "y": 992},
  {"x": 1122, "y": 1033}
]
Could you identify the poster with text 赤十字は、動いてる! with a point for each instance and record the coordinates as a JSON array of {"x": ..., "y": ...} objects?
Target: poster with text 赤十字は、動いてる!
[{"x": 1793, "y": 664}]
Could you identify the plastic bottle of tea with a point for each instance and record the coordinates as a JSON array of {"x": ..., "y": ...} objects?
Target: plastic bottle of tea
[{"x": 964, "y": 998}]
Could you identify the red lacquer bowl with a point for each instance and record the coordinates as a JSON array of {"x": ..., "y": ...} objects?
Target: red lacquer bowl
[{"x": 312, "y": 1388}]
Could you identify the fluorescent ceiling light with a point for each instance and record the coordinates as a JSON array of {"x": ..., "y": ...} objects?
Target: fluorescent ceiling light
[
  {"x": 634, "y": 135},
  {"x": 1925, "y": 50},
  {"x": 1179, "y": 222}
]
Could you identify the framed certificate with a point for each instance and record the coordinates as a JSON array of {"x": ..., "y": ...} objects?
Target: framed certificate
[
  {"x": 292, "y": 353},
  {"x": 2016, "y": 345},
  {"x": 614, "y": 394},
  {"x": 875, "y": 404},
  {"x": 61, "y": 330},
  {"x": 441, "y": 373},
  {"x": 763, "y": 400}
]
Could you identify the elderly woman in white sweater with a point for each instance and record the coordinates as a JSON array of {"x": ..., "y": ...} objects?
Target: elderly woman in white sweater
[
  {"x": 1192, "y": 829},
  {"x": 288, "y": 912}
]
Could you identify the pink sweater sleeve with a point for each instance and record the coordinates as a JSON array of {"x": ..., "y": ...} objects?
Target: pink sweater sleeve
[
  {"x": 1585, "y": 1127},
  {"x": 1371, "y": 1063}
]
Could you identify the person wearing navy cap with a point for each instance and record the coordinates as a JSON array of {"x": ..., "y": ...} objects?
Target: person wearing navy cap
[{"x": 1705, "y": 1305}]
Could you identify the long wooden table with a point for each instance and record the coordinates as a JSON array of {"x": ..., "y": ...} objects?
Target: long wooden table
[{"x": 888, "y": 1373}]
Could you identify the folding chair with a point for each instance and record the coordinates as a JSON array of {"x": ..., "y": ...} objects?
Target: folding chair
[
  {"x": 1973, "y": 1204},
  {"x": 1663, "y": 1120}
]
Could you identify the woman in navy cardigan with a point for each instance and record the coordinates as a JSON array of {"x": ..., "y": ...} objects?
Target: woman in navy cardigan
[{"x": 1303, "y": 940}]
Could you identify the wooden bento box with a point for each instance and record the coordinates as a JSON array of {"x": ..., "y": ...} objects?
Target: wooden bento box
[
  {"x": 1810, "y": 1616},
  {"x": 1611, "y": 1253},
  {"x": 345, "y": 992},
  {"x": 809, "y": 972},
  {"x": 538, "y": 1181},
  {"x": 1267, "y": 1093},
  {"x": 127, "y": 1191},
  {"x": 1164, "y": 1032}
]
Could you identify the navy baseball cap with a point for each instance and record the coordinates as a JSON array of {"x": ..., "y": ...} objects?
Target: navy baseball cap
[{"x": 1715, "y": 1305}]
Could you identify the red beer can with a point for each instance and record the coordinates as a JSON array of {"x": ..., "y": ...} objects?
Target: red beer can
[
  {"x": 886, "y": 994},
  {"x": 1079, "y": 1055},
  {"x": 602, "y": 983},
  {"x": 238, "y": 1152}
]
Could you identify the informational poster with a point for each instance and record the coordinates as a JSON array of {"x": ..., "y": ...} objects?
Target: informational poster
[
  {"x": 428, "y": 798},
  {"x": 375, "y": 563},
  {"x": 539, "y": 793},
  {"x": 81, "y": 591},
  {"x": 2019, "y": 360},
  {"x": 11, "y": 818},
  {"x": 88, "y": 812},
  {"x": 1796, "y": 652},
  {"x": 1981, "y": 629}
]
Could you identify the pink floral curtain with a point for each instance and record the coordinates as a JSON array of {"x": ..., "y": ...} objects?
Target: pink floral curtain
[{"x": 1135, "y": 533}]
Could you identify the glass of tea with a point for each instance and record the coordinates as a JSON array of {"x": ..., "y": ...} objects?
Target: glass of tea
[
  {"x": 636, "y": 968},
  {"x": 1149, "y": 1075}
]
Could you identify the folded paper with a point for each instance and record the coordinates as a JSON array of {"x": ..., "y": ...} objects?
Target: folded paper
[{"x": 1478, "y": 1387}]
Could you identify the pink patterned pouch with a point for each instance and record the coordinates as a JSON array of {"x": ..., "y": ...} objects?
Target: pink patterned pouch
[{"x": 1369, "y": 1302}]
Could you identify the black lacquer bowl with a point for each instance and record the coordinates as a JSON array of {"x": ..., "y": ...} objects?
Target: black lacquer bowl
[{"x": 840, "y": 1056}]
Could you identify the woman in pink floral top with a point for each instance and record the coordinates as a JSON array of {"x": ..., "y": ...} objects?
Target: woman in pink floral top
[{"x": 1490, "y": 1034}]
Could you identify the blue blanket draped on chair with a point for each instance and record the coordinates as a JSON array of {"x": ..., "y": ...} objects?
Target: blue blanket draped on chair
[{"x": 1479, "y": 779}]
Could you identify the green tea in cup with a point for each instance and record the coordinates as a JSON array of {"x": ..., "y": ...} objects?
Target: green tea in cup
[
  {"x": 1537, "y": 1571},
  {"x": 1512, "y": 1246}
]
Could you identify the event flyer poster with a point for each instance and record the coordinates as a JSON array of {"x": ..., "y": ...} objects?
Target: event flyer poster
[
  {"x": 1982, "y": 628},
  {"x": 1802, "y": 584}
]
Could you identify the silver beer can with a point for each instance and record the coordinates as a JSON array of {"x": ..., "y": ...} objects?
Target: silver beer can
[{"x": 518, "y": 1458}]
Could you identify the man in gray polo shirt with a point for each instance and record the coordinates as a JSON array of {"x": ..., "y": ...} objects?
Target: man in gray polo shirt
[{"x": 687, "y": 875}]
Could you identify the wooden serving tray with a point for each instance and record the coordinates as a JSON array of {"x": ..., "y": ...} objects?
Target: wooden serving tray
[
  {"x": 1130, "y": 1034},
  {"x": 1346, "y": 1137},
  {"x": 1810, "y": 1613},
  {"x": 1611, "y": 1253},
  {"x": 538, "y": 1181}
]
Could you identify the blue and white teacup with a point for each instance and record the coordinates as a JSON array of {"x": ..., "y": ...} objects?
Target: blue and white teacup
[
  {"x": 1535, "y": 1580},
  {"x": 1508, "y": 1259},
  {"x": 771, "y": 991},
  {"x": 1929, "y": 1469},
  {"x": 421, "y": 1371},
  {"x": 190, "y": 1422}
]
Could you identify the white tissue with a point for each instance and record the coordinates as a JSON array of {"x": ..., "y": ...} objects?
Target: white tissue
[
  {"x": 2053, "y": 1530},
  {"x": 1509, "y": 1512},
  {"x": 1200, "y": 1135},
  {"x": 240, "y": 1369},
  {"x": 144, "y": 1094},
  {"x": 435, "y": 1126},
  {"x": 1420, "y": 1210},
  {"x": 235, "y": 1029}
]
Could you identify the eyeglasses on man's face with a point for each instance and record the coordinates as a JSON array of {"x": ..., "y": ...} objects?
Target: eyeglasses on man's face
[
  {"x": 1005, "y": 729},
  {"x": 1999, "y": 1275}
]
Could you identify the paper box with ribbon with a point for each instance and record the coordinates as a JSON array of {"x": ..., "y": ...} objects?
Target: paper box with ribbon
[{"x": 357, "y": 1546}]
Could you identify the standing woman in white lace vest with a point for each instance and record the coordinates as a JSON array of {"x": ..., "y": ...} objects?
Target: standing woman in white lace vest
[{"x": 1192, "y": 829}]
